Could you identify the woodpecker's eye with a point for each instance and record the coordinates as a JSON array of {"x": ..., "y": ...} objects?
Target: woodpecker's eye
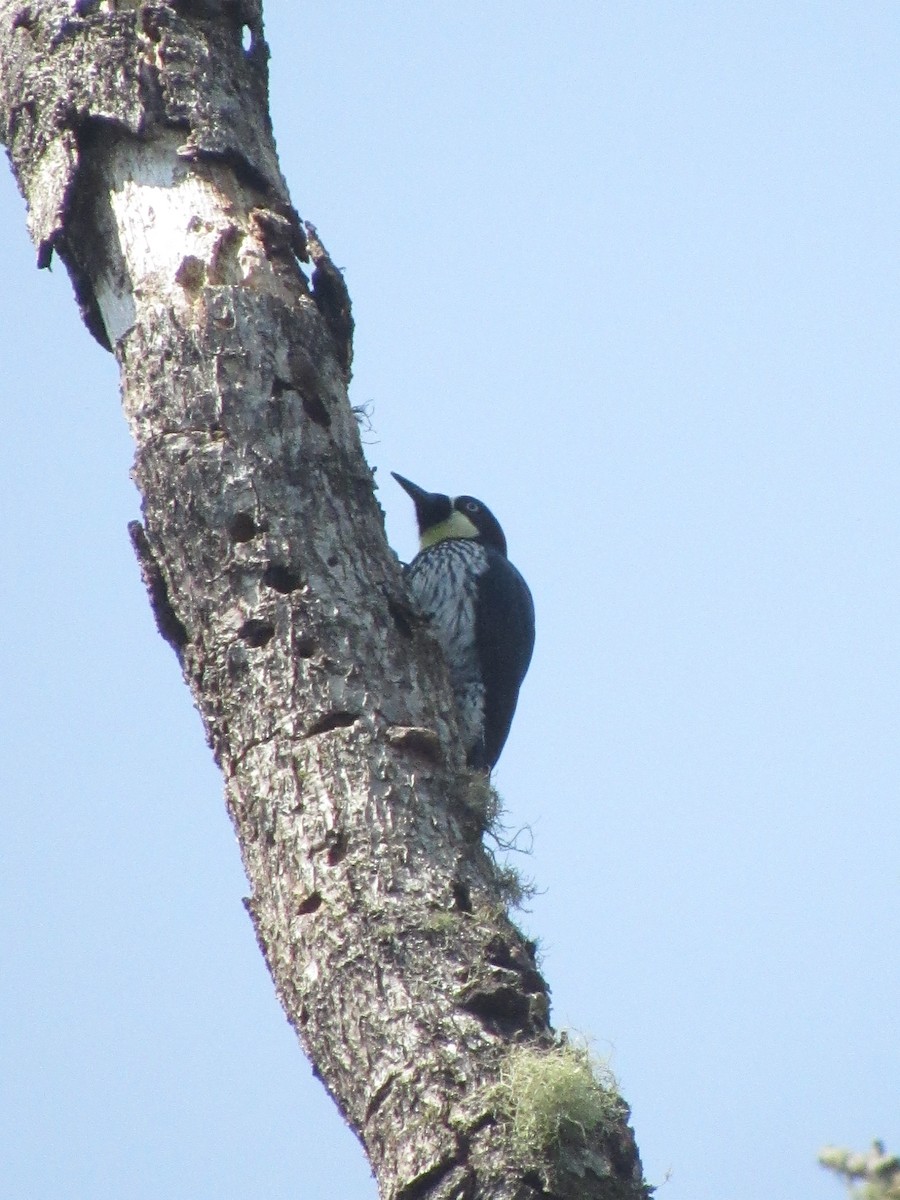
[{"x": 471, "y": 506}]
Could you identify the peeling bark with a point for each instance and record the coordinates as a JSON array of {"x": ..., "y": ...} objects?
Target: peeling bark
[{"x": 140, "y": 137}]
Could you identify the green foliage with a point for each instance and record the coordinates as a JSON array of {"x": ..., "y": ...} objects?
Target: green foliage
[
  {"x": 553, "y": 1095},
  {"x": 483, "y": 798},
  {"x": 870, "y": 1176},
  {"x": 442, "y": 921},
  {"x": 515, "y": 890}
]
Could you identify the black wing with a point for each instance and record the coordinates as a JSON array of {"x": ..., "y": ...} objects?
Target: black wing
[{"x": 504, "y": 635}]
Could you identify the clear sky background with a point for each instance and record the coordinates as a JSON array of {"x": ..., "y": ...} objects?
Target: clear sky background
[{"x": 629, "y": 273}]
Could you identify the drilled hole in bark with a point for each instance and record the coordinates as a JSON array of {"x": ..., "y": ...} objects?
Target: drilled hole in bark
[
  {"x": 401, "y": 616},
  {"x": 380, "y": 1095},
  {"x": 256, "y": 633},
  {"x": 150, "y": 25},
  {"x": 501, "y": 954},
  {"x": 303, "y": 1015},
  {"x": 191, "y": 274},
  {"x": 332, "y": 720},
  {"x": 280, "y": 578},
  {"x": 462, "y": 900},
  {"x": 304, "y": 646},
  {"x": 416, "y": 741},
  {"x": 224, "y": 266},
  {"x": 532, "y": 982},
  {"x": 309, "y": 905},
  {"x": 497, "y": 951},
  {"x": 242, "y": 527},
  {"x": 337, "y": 851},
  {"x": 504, "y": 1005},
  {"x": 426, "y": 1184},
  {"x": 316, "y": 411}
]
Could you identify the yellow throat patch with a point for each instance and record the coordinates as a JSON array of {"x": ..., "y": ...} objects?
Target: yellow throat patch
[{"x": 457, "y": 525}]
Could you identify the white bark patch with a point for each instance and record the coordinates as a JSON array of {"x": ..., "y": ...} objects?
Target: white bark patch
[{"x": 176, "y": 231}]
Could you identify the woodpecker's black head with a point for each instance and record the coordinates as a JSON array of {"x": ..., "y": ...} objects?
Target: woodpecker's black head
[{"x": 441, "y": 517}]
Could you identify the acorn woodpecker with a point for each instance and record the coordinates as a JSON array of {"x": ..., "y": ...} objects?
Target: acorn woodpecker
[{"x": 480, "y": 611}]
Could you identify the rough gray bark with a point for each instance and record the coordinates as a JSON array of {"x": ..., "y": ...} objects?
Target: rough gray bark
[{"x": 140, "y": 137}]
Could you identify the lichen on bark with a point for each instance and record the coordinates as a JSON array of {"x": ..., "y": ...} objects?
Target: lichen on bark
[{"x": 141, "y": 140}]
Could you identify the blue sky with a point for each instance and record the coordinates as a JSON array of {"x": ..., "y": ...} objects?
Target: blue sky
[{"x": 627, "y": 272}]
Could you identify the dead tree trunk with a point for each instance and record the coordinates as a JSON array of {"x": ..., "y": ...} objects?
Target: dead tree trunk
[{"x": 140, "y": 137}]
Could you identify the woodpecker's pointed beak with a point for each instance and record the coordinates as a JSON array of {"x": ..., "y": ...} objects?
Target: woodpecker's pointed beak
[
  {"x": 412, "y": 489},
  {"x": 432, "y": 508}
]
